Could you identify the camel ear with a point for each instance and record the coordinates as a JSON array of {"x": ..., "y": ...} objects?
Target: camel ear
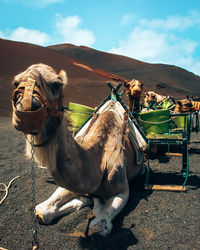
[
  {"x": 126, "y": 85},
  {"x": 15, "y": 83},
  {"x": 179, "y": 103},
  {"x": 63, "y": 76}
]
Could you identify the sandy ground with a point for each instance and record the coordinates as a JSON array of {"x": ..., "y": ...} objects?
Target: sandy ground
[{"x": 150, "y": 220}]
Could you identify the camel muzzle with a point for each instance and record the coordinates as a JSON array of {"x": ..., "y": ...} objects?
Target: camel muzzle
[{"x": 30, "y": 108}]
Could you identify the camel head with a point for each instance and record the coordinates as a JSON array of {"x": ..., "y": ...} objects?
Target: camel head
[
  {"x": 37, "y": 97},
  {"x": 152, "y": 97},
  {"x": 134, "y": 88},
  {"x": 183, "y": 106}
]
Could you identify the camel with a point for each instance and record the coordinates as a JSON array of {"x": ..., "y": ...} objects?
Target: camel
[
  {"x": 185, "y": 105},
  {"x": 95, "y": 167},
  {"x": 152, "y": 98},
  {"x": 133, "y": 91}
]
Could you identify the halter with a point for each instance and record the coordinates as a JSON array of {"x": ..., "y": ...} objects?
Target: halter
[{"x": 29, "y": 121}]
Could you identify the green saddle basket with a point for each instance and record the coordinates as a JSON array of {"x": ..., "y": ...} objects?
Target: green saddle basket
[
  {"x": 180, "y": 122},
  {"x": 165, "y": 104},
  {"x": 155, "y": 122},
  {"x": 77, "y": 115}
]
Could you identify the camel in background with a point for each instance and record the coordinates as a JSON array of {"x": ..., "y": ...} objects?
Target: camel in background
[
  {"x": 151, "y": 98},
  {"x": 133, "y": 91},
  {"x": 96, "y": 165},
  {"x": 186, "y": 105}
]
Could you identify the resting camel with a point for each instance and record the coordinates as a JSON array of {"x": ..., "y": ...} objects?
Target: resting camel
[
  {"x": 152, "y": 98},
  {"x": 133, "y": 91},
  {"x": 96, "y": 165},
  {"x": 185, "y": 105}
]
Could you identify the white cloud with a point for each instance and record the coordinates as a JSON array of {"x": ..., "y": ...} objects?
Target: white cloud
[
  {"x": 159, "y": 41},
  {"x": 26, "y": 35},
  {"x": 126, "y": 19},
  {"x": 66, "y": 30},
  {"x": 171, "y": 23},
  {"x": 177, "y": 23},
  {"x": 70, "y": 31}
]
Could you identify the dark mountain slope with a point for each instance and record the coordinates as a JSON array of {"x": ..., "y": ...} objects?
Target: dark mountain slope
[
  {"x": 166, "y": 79},
  {"x": 83, "y": 87}
]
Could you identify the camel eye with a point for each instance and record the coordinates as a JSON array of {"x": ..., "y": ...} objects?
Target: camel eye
[
  {"x": 56, "y": 86},
  {"x": 16, "y": 84}
]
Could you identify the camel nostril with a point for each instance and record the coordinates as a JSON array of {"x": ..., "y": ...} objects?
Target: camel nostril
[
  {"x": 36, "y": 104},
  {"x": 18, "y": 103}
]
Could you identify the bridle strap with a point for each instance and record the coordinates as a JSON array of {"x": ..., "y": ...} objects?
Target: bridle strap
[{"x": 28, "y": 93}]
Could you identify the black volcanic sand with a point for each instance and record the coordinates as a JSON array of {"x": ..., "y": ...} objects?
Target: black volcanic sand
[{"x": 150, "y": 220}]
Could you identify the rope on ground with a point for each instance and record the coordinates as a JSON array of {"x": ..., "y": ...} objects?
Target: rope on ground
[{"x": 5, "y": 189}]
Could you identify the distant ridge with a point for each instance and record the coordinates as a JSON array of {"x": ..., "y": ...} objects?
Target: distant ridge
[
  {"x": 160, "y": 77},
  {"x": 88, "y": 72}
]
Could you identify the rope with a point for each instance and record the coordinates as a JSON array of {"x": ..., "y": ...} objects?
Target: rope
[
  {"x": 154, "y": 122},
  {"x": 80, "y": 112},
  {"x": 5, "y": 189}
]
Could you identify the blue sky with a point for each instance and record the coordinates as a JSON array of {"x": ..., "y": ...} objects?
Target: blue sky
[{"x": 154, "y": 31}]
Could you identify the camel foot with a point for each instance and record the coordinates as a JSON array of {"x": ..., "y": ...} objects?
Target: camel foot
[
  {"x": 102, "y": 227},
  {"x": 41, "y": 217}
]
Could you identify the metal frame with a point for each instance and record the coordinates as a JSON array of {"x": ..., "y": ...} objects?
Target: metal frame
[{"x": 183, "y": 142}]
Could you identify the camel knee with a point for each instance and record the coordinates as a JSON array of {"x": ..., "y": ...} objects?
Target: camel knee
[{"x": 46, "y": 212}]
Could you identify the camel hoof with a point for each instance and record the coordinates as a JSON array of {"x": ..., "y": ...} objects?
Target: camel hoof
[
  {"x": 102, "y": 227},
  {"x": 40, "y": 217}
]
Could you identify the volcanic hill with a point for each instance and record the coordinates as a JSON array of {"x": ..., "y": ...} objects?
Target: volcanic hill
[{"x": 89, "y": 71}]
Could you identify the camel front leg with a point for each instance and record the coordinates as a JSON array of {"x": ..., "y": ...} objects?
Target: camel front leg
[
  {"x": 102, "y": 223},
  {"x": 98, "y": 206},
  {"x": 61, "y": 202}
]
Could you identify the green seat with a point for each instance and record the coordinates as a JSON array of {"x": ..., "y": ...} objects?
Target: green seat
[
  {"x": 180, "y": 121},
  {"x": 169, "y": 136},
  {"x": 77, "y": 115},
  {"x": 163, "y": 127},
  {"x": 156, "y": 121},
  {"x": 165, "y": 104}
]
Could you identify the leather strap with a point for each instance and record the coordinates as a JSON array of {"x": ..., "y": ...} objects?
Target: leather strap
[{"x": 28, "y": 93}]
